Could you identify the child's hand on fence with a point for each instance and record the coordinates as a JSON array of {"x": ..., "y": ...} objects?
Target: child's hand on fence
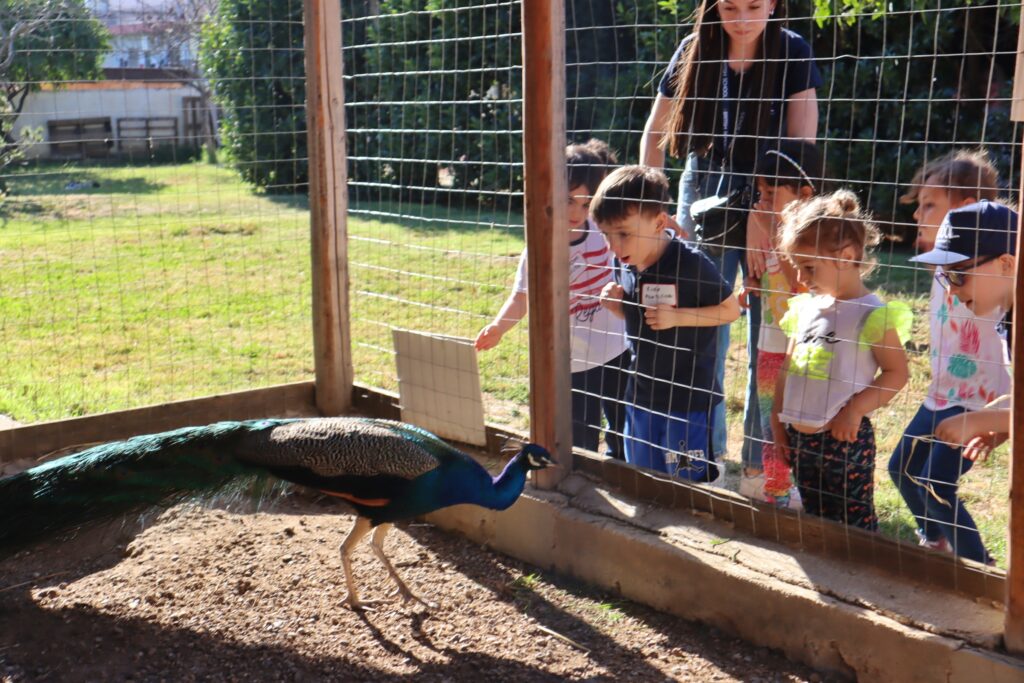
[
  {"x": 980, "y": 447},
  {"x": 661, "y": 317},
  {"x": 751, "y": 287},
  {"x": 488, "y": 337},
  {"x": 611, "y": 298},
  {"x": 845, "y": 425}
]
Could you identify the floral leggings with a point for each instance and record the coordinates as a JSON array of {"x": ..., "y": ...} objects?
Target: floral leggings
[{"x": 836, "y": 478}]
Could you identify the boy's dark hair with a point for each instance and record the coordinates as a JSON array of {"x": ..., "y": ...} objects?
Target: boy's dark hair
[
  {"x": 588, "y": 163},
  {"x": 965, "y": 172},
  {"x": 793, "y": 164},
  {"x": 629, "y": 190}
]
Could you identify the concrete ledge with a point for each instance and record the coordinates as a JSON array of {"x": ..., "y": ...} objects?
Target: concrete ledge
[{"x": 851, "y": 622}]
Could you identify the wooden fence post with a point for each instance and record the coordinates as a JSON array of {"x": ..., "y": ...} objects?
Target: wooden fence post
[
  {"x": 328, "y": 205},
  {"x": 1013, "y": 631},
  {"x": 546, "y": 238}
]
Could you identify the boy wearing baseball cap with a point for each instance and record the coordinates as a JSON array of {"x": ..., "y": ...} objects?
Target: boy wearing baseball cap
[{"x": 975, "y": 259}]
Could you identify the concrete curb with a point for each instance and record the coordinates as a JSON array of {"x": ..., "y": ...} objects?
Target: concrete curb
[{"x": 809, "y": 625}]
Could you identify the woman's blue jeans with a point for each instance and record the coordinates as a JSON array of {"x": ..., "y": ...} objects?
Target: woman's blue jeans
[{"x": 730, "y": 262}]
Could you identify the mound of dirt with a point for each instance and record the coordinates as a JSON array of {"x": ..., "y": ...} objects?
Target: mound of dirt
[{"x": 220, "y": 594}]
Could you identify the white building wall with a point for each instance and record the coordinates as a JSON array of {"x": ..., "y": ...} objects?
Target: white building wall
[{"x": 42, "y": 107}]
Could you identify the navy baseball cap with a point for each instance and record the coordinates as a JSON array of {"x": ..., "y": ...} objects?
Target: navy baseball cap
[{"x": 981, "y": 229}]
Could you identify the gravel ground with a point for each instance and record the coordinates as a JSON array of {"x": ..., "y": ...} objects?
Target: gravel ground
[{"x": 220, "y": 593}]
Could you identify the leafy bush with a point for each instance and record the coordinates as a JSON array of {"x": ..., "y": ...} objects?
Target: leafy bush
[{"x": 253, "y": 56}]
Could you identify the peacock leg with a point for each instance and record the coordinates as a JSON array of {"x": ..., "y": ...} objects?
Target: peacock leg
[
  {"x": 359, "y": 531},
  {"x": 377, "y": 543}
]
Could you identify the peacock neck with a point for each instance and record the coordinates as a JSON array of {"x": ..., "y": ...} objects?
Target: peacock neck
[{"x": 507, "y": 486}]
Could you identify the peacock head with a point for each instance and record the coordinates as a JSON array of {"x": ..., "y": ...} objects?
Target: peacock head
[{"x": 536, "y": 457}]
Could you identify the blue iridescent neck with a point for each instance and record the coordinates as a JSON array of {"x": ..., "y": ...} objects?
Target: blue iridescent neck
[{"x": 509, "y": 484}]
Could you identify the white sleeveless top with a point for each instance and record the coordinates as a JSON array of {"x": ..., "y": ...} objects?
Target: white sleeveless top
[{"x": 832, "y": 358}]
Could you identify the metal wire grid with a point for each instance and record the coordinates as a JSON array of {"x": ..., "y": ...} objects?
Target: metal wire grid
[{"x": 144, "y": 276}]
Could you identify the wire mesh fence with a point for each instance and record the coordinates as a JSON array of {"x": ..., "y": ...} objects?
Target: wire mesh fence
[
  {"x": 135, "y": 271},
  {"x": 433, "y": 103}
]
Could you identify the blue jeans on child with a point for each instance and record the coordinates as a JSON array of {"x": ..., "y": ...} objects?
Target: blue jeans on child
[
  {"x": 677, "y": 443},
  {"x": 595, "y": 391},
  {"x": 926, "y": 473}
]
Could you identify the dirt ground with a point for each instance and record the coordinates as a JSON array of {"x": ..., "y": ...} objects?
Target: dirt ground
[{"x": 220, "y": 593}]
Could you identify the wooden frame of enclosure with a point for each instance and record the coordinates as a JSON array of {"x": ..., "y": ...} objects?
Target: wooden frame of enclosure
[{"x": 333, "y": 391}]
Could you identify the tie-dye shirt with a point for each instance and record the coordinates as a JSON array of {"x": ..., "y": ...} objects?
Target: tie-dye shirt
[{"x": 968, "y": 358}]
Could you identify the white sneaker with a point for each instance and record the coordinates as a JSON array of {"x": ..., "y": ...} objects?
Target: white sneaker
[{"x": 752, "y": 486}]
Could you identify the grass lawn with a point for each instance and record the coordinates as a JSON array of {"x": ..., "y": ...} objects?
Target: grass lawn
[{"x": 162, "y": 283}]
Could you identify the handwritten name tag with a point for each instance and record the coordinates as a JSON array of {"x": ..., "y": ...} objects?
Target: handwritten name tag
[{"x": 655, "y": 295}]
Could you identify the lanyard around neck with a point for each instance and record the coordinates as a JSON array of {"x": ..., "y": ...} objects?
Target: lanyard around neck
[{"x": 727, "y": 131}]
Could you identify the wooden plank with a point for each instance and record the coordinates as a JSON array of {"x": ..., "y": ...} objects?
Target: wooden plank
[
  {"x": 38, "y": 440},
  {"x": 1013, "y": 633},
  {"x": 546, "y": 238},
  {"x": 1017, "y": 105},
  {"x": 328, "y": 204}
]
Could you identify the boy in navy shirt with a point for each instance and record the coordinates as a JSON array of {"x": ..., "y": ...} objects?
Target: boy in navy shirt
[{"x": 673, "y": 299}]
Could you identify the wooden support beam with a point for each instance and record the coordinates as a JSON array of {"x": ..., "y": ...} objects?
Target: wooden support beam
[
  {"x": 44, "y": 438},
  {"x": 1013, "y": 632},
  {"x": 328, "y": 205},
  {"x": 546, "y": 238}
]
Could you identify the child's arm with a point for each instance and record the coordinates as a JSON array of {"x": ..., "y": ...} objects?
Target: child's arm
[
  {"x": 511, "y": 313},
  {"x": 979, "y": 432},
  {"x": 893, "y": 376},
  {"x": 665, "y": 316},
  {"x": 611, "y": 298}
]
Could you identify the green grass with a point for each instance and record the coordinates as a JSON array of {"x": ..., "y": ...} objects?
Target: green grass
[{"x": 171, "y": 282}]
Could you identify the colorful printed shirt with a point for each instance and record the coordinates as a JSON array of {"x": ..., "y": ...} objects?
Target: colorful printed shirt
[
  {"x": 970, "y": 367},
  {"x": 775, "y": 293},
  {"x": 832, "y": 359},
  {"x": 597, "y": 336}
]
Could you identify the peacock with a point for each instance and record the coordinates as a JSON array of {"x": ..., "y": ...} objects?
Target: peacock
[{"x": 387, "y": 471}]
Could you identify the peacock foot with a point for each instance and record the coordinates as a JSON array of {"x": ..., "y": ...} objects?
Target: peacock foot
[
  {"x": 356, "y": 605},
  {"x": 408, "y": 595}
]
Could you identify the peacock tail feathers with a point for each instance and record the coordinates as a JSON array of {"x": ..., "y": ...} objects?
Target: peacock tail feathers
[{"x": 119, "y": 478}]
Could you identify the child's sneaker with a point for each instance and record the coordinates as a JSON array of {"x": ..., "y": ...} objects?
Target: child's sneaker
[
  {"x": 752, "y": 486},
  {"x": 795, "y": 501},
  {"x": 942, "y": 544}
]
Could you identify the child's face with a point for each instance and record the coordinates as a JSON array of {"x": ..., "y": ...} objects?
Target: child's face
[
  {"x": 744, "y": 21},
  {"x": 829, "y": 273},
  {"x": 982, "y": 284},
  {"x": 933, "y": 203},
  {"x": 638, "y": 240},
  {"x": 579, "y": 206},
  {"x": 774, "y": 198}
]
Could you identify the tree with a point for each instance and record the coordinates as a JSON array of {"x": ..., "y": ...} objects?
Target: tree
[
  {"x": 252, "y": 54},
  {"x": 43, "y": 41}
]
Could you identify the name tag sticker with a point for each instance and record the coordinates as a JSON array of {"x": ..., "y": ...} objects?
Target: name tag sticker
[{"x": 655, "y": 295}]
